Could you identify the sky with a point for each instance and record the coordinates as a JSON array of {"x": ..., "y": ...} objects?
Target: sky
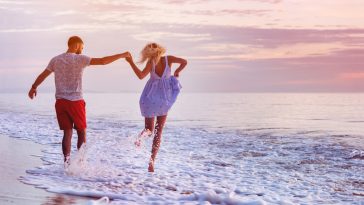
[{"x": 231, "y": 45}]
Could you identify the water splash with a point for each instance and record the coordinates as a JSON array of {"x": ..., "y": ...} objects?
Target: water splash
[
  {"x": 101, "y": 201},
  {"x": 199, "y": 165},
  {"x": 142, "y": 136},
  {"x": 78, "y": 163}
]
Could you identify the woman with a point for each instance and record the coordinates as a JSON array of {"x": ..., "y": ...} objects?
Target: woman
[{"x": 159, "y": 93}]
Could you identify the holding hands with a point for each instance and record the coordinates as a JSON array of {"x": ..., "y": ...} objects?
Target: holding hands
[
  {"x": 126, "y": 54},
  {"x": 129, "y": 58}
]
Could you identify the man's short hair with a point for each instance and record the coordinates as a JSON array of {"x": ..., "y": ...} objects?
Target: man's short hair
[{"x": 73, "y": 40}]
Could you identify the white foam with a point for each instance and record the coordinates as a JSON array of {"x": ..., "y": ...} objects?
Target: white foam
[
  {"x": 101, "y": 201},
  {"x": 78, "y": 162},
  {"x": 195, "y": 165}
]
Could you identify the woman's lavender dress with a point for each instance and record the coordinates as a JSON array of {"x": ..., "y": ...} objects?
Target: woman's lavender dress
[{"x": 159, "y": 93}]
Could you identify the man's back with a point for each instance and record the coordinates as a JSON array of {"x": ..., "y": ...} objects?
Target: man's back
[
  {"x": 68, "y": 69},
  {"x": 70, "y": 106}
]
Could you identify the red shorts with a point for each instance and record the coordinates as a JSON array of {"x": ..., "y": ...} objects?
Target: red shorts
[{"x": 71, "y": 114}]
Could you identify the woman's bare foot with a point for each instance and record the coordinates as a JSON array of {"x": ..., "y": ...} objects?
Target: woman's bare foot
[
  {"x": 151, "y": 166},
  {"x": 138, "y": 142},
  {"x": 145, "y": 133}
]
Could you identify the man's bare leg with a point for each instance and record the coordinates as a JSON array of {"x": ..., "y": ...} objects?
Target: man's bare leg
[
  {"x": 81, "y": 138},
  {"x": 161, "y": 120},
  {"x": 66, "y": 143}
]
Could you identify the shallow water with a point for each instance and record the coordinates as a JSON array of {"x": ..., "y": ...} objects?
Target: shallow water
[{"x": 216, "y": 148}]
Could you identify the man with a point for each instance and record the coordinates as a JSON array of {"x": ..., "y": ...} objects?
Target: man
[{"x": 70, "y": 107}]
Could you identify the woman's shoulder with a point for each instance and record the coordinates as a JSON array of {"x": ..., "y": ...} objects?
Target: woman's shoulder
[{"x": 169, "y": 57}]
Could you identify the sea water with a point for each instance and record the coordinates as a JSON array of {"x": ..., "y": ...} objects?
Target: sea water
[{"x": 217, "y": 148}]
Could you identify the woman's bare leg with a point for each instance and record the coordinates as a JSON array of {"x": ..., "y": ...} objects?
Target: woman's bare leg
[
  {"x": 149, "y": 126},
  {"x": 161, "y": 120}
]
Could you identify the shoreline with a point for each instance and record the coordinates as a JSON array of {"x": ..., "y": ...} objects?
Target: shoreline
[{"x": 17, "y": 156}]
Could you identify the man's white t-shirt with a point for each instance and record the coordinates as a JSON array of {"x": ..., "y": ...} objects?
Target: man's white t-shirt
[{"x": 68, "y": 69}]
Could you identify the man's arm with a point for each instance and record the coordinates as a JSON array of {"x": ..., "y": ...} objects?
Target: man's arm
[
  {"x": 38, "y": 81},
  {"x": 108, "y": 59}
]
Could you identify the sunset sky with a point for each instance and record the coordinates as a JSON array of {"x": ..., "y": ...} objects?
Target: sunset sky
[{"x": 231, "y": 45}]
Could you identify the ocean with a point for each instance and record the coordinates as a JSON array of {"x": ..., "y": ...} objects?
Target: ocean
[{"x": 217, "y": 148}]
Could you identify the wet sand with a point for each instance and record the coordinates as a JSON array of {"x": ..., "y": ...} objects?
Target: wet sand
[{"x": 16, "y": 157}]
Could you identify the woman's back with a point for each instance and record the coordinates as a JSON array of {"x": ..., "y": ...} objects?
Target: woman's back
[{"x": 162, "y": 69}]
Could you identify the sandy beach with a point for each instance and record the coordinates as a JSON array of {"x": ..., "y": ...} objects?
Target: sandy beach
[{"x": 16, "y": 157}]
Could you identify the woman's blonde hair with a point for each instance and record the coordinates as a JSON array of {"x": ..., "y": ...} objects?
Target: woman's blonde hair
[{"x": 152, "y": 52}]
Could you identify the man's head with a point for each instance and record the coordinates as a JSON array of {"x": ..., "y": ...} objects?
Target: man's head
[{"x": 75, "y": 44}]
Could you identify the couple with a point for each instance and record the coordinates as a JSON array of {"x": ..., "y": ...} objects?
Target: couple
[{"x": 157, "y": 98}]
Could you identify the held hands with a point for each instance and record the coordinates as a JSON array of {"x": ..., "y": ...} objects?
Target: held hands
[
  {"x": 126, "y": 54},
  {"x": 129, "y": 58}
]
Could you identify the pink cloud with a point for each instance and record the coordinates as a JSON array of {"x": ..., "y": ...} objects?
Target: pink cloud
[
  {"x": 254, "y": 58},
  {"x": 239, "y": 12},
  {"x": 266, "y": 1},
  {"x": 352, "y": 76},
  {"x": 199, "y": 1}
]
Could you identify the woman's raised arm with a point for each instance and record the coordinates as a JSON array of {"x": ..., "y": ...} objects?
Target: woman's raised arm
[{"x": 137, "y": 71}]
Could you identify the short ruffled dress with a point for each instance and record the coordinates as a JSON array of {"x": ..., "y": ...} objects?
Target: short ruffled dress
[{"x": 159, "y": 93}]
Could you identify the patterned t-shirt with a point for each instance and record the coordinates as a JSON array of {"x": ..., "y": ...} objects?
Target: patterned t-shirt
[{"x": 68, "y": 69}]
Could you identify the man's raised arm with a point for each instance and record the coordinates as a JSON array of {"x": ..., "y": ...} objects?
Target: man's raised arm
[{"x": 108, "y": 59}]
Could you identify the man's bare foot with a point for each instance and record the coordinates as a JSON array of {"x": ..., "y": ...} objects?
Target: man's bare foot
[{"x": 67, "y": 162}]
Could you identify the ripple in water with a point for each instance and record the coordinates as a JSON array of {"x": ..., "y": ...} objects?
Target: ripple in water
[{"x": 196, "y": 166}]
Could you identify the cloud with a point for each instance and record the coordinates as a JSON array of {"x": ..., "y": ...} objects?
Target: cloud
[
  {"x": 264, "y": 1},
  {"x": 229, "y": 12},
  {"x": 254, "y": 44},
  {"x": 225, "y": 47},
  {"x": 65, "y": 13},
  {"x": 204, "y": 1},
  {"x": 155, "y": 36},
  {"x": 69, "y": 28},
  {"x": 256, "y": 13},
  {"x": 352, "y": 76},
  {"x": 250, "y": 44},
  {"x": 282, "y": 52},
  {"x": 3, "y": 2}
]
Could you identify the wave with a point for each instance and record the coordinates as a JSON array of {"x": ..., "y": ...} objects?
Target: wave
[{"x": 252, "y": 166}]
